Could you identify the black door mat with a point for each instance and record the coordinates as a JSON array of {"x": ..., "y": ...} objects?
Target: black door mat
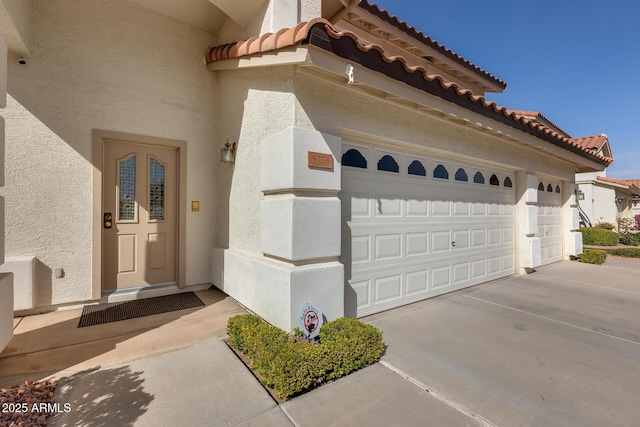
[{"x": 117, "y": 311}]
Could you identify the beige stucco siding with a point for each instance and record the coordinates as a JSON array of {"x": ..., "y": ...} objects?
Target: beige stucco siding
[
  {"x": 331, "y": 107},
  {"x": 111, "y": 66},
  {"x": 257, "y": 104}
]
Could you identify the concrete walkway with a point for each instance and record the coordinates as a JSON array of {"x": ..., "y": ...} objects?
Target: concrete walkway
[{"x": 557, "y": 347}]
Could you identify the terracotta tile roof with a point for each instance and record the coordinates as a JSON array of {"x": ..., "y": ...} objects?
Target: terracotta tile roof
[
  {"x": 632, "y": 184},
  {"x": 346, "y": 44},
  {"x": 592, "y": 142},
  {"x": 375, "y": 10},
  {"x": 536, "y": 115}
]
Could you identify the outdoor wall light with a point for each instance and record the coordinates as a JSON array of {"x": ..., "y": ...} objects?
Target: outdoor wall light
[
  {"x": 619, "y": 200},
  {"x": 579, "y": 195},
  {"x": 635, "y": 203},
  {"x": 228, "y": 153}
]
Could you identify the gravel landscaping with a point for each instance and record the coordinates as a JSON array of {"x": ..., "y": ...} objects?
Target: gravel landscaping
[{"x": 28, "y": 404}]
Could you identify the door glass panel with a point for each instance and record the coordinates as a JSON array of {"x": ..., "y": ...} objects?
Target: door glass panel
[
  {"x": 127, "y": 190},
  {"x": 156, "y": 190}
]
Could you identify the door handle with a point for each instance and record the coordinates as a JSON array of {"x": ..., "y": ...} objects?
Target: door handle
[
  {"x": 108, "y": 220},
  {"x": 453, "y": 244}
]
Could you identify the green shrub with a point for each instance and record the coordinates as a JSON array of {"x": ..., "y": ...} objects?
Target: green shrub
[
  {"x": 594, "y": 256},
  {"x": 291, "y": 366},
  {"x": 625, "y": 252},
  {"x": 599, "y": 237},
  {"x": 630, "y": 239}
]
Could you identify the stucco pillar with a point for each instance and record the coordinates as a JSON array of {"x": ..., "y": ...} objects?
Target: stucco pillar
[
  {"x": 300, "y": 231},
  {"x": 571, "y": 220},
  {"x": 528, "y": 244}
]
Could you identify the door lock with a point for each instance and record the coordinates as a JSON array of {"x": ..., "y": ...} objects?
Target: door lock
[
  {"x": 453, "y": 244},
  {"x": 108, "y": 220}
]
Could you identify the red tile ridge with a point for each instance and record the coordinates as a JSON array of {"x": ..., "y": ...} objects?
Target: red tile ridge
[{"x": 383, "y": 14}]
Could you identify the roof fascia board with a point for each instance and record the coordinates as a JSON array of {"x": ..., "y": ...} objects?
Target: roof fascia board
[
  {"x": 293, "y": 55},
  {"x": 448, "y": 110}
]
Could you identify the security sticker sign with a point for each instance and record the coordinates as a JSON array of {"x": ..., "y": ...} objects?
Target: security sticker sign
[{"x": 310, "y": 320}]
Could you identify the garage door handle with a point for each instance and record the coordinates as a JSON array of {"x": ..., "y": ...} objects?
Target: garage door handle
[{"x": 453, "y": 244}]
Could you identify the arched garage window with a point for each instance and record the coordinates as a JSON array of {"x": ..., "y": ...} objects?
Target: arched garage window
[
  {"x": 416, "y": 168},
  {"x": 507, "y": 182},
  {"x": 354, "y": 159},
  {"x": 461, "y": 175},
  {"x": 388, "y": 163},
  {"x": 557, "y": 188},
  {"x": 478, "y": 178},
  {"x": 541, "y": 187},
  {"x": 441, "y": 172},
  {"x": 549, "y": 188},
  {"x": 494, "y": 180}
]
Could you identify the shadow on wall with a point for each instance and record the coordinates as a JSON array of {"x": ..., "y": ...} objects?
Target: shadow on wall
[{"x": 110, "y": 397}]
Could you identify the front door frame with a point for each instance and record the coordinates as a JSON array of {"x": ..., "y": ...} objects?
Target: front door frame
[{"x": 99, "y": 139}]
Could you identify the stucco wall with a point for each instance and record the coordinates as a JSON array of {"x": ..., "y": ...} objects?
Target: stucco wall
[
  {"x": 108, "y": 65},
  {"x": 330, "y": 107},
  {"x": 256, "y": 103}
]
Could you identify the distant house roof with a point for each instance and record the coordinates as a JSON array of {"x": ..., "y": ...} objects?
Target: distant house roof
[
  {"x": 628, "y": 184},
  {"x": 375, "y": 10},
  {"x": 320, "y": 33}
]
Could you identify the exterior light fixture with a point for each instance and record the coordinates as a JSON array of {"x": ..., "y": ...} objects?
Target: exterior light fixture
[
  {"x": 579, "y": 195},
  {"x": 635, "y": 203},
  {"x": 619, "y": 200},
  {"x": 228, "y": 153}
]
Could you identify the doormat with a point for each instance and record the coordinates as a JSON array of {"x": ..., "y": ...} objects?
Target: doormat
[{"x": 117, "y": 311}]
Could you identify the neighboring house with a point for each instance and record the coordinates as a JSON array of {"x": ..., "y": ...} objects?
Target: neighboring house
[
  {"x": 370, "y": 172},
  {"x": 605, "y": 199}
]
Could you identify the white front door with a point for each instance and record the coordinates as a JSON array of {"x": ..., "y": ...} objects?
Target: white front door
[
  {"x": 415, "y": 227},
  {"x": 139, "y": 215},
  {"x": 550, "y": 221}
]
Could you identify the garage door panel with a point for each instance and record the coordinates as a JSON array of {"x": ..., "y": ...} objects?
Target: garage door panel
[
  {"x": 417, "y": 282},
  {"x": 478, "y": 269},
  {"x": 440, "y": 208},
  {"x": 410, "y": 238},
  {"x": 440, "y": 277},
  {"x": 461, "y": 209},
  {"x": 460, "y": 273},
  {"x": 494, "y": 265},
  {"x": 440, "y": 241},
  {"x": 417, "y": 208},
  {"x": 417, "y": 244},
  {"x": 388, "y": 246}
]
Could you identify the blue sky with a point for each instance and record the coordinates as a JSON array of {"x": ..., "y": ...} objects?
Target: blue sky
[{"x": 577, "y": 62}]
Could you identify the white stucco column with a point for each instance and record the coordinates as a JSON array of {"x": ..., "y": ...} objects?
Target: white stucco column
[
  {"x": 572, "y": 238},
  {"x": 528, "y": 243},
  {"x": 300, "y": 231}
]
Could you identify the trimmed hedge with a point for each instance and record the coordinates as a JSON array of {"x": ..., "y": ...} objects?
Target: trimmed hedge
[
  {"x": 291, "y": 367},
  {"x": 630, "y": 239},
  {"x": 594, "y": 256},
  {"x": 595, "y": 236}
]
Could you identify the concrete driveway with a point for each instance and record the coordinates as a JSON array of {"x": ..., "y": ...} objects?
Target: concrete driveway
[{"x": 559, "y": 347}]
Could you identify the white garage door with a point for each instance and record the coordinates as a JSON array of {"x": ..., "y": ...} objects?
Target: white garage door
[
  {"x": 416, "y": 227},
  {"x": 550, "y": 221}
]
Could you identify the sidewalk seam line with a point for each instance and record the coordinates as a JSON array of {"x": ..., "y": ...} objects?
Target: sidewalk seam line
[
  {"x": 288, "y": 415},
  {"x": 554, "y": 320},
  {"x": 452, "y": 404}
]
